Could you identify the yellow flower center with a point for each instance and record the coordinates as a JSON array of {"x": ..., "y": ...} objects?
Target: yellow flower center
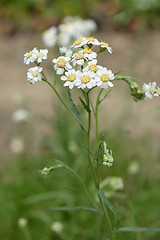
[
  {"x": 104, "y": 77},
  {"x": 90, "y": 39},
  {"x": 61, "y": 63},
  {"x": 87, "y": 50},
  {"x": 29, "y": 55},
  {"x": 93, "y": 67},
  {"x": 71, "y": 77},
  {"x": 105, "y": 44},
  {"x": 78, "y": 55},
  {"x": 35, "y": 73},
  {"x": 85, "y": 78},
  {"x": 40, "y": 55},
  {"x": 78, "y": 41}
]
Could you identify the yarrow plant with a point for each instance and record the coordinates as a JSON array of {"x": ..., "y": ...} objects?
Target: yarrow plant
[{"x": 77, "y": 67}]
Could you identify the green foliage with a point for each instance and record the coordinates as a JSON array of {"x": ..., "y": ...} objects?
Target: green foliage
[{"x": 59, "y": 196}]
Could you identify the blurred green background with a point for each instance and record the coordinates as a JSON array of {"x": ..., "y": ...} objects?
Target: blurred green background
[{"x": 132, "y": 129}]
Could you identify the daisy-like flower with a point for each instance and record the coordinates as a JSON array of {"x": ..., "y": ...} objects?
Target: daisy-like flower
[
  {"x": 41, "y": 55},
  {"x": 34, "y": 75},
  {"x": 71, "y": 78},
  {"x": 92, "y": 66},
  {"x": 61, "y": 63},
  {"x": 104, "y": 78},
  {"x": 49, "y": 37},
  {"x": 105, "y": 45},
  {"x": 149, "y": 89},
  {"x": 30, "y": 56},
  {"x": 92, "y": 41},
  {"x": 80, "y": 42},
  {"x": 78, "y": 58},
  {"x": 87, "y": 79},
  {"x": 89, "y": 54}
]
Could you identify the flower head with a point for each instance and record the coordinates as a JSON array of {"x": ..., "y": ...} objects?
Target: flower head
[
  {"x": 104, "y": 78},
  {"x": 71, "y": 78},
  {"x": 34, "y": 74},
  {"x": 61, "y": 64},
  {"x": 104, "y": 45},
  {"x": 30, "y": 56},
  {"x": 49, "y": 37},
  {"x": 87, "y": 79},
  {"x": 149, "y": 89},
  {"x": 41, "y": 55}
]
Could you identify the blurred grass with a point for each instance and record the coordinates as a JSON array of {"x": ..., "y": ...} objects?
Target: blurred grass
[{"x": 26, "y": 193}]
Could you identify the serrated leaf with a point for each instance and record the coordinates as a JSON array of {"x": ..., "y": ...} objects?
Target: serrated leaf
[
  {"x": 75, "y": 110},
  {"x": 66, "y": 208},
  {"x": 137, "y": 229},
  {"x": 85, "y": 105},
  {"x": 106, "y": 201}
]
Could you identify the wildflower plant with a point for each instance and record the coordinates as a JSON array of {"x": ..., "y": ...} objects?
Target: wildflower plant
[{"x": 77, "y": 67}]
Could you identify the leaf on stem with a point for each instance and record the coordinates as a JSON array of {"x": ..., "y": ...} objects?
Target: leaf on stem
[
  {"x": 106, "y": 201},
  {"x": 104, "y": 96},
  {"x": 75, "y": 110},
  {"x": 85, "y": 105},
  {"x": 67, "y": 208},
  {"x": 137, "y": 229}
]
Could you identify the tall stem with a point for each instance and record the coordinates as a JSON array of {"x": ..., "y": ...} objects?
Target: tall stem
[
  {"x": 96, "y": 180},
  {"x": 64, "y": 104},
  {"x": 88, "y": 142}
]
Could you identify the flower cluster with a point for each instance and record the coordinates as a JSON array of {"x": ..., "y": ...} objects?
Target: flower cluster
[
  {"x": 37, "y": 56},
  {"x": 70, "y": 29},
  {"x": 151, "y": 90},
  {"x": 79, "y": 67}
]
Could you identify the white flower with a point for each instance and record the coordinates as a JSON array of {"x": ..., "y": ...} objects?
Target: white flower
[
  {"x": 113, "y": 183},
  {"x": 67, "y": 52},
  {"x": 149, "y": 89},
  {"x": 41, "y": 55},
  {"x": 16, "y": 145},
  {"x": 80, "y": 42},
  {"x": 93, "y": 41},
  {"x": 92, "y": 66},
  {"x": 57, "y": 227},
  {"x": 78, "y": 58},
  {"x": 89, "y": 54},
  {"x": 21, "y": 115},
  {"x": 30, "y": 56},
  {"x": 34, "y": 74},
  {"x": 106, "y": 45},
  {"x": 61, "y": 63},
  {"x": 103, "y": 78},
  {"x": 90, "y": 25},
  {"x": 71, "y": 78},
  {"x": 22, "y": 222},
  {"x": 49, "y": 37},
  {"x": 87, "y": 79}
]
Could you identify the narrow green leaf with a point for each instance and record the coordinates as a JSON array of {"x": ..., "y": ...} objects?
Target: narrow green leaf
[
  {"x": 75, "y": 110},
  {"x": 105, "y": 96},
  {"x": 85, "y": 105},
  {"x": 118, "y": 71},
  {"x": 65, "y": 208},
  {"x": 106, "y": 201},
  {"x": 137, "y": 229}
]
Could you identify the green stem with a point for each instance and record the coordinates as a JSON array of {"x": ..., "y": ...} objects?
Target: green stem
[
  {"x": 67, "y": 108},
  {"x": 96, "y": 115},
  {"x": 88, "y": 142}
]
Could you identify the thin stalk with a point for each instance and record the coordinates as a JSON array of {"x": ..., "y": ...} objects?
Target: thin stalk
[
  {"x": 88, "y": 142},
  {"x": 96, "y": 115},
  {"x": 67, "y": 108}
]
